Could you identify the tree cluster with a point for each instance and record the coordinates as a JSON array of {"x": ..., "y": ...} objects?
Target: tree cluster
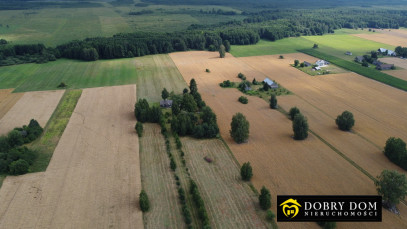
[
  {"x": 185, "y": 121},
  {"x": 396, "y": 151},
  {"x": 30, "y": 53},
  {"x": 300, "y": 124},
  {"x": 144, "y": 201},
  {"x": 401, "y": 51},
  {"x": 227, "y": 83},
  {"x": 15, "y": 159},
  {"x": 145, "y": 113}
]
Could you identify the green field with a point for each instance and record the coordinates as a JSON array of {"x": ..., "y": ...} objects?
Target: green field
[
  {"x": 54, "y": 129},
  {"x": 146, "y": 70},
  {"x": 333, "y": 44},
  {"x": 338, "y": 45},
  {"x": 56, "y": 26},
  {"x": 288, "y": 45}
]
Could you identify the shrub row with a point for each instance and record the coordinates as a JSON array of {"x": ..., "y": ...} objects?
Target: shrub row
[{"x": 199, "y": 203}]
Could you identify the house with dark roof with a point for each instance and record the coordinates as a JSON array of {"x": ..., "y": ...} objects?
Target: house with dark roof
[
  {"x": 376, "y": 62},
  {"x": 348, "y": 53},
  {"x": 307, "y": 64},
  {"x": 322, "y": 63},
  {"x": 166, "y": 103},
  {"x": 270, "y": 83},
  {"x": 359, "y": 59},
  {"x": 384, "y": 66}
]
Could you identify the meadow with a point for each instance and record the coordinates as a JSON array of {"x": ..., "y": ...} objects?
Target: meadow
[
  {"x": 78, "y": 74},
  {"x": 335, "y": 44}
]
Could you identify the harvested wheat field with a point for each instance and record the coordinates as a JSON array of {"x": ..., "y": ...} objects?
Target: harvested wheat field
[
  {"x": 7, "y": 100},
  {"x": 230, "y": 201},
  {"x": 283, "y": 165},
  {"x": 402, "y": 74},
  {"x": 379, "y": 109},
  {"x": 93, "y": 179},
  {"x": 37, "y": 105},
  {"x": 402, "y": 63},
  {"x": 158, "y": 181},
  {"x": 385, "y": 37}
]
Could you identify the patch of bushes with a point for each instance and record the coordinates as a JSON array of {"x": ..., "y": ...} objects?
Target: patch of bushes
[
  {"x": 265, "y": 198},
  {"x": 207, "y": 70},
  {"x": 243, "y": 99},
  {"x": 270, "y": 216},
  {"x": 62, "y": 85},
  {"x": 227, "y": 83},
  {"x": 241, "y": 76}
]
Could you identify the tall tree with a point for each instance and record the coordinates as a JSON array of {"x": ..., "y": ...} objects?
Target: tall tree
[
  {"x": 265, "y": 198},
  {"x": 392, "y": 186},
  {"x": 226, "y": 43},
  {"x": 293, "y": 111},
  {"x": 144, "y": 201},
  {"x": 296, "y": 63},
  {"x": 273, "y": 101},
  {"x": 222, "y": 51},
  {"x": 246, "y": 171},
  {"x": 239, "y": 128},
  {"x": 300, "y": 127},
  {"x": 193, "y": 88},
  {"x": 165, "y": 94},
  {"x": 395, "y": 150}
]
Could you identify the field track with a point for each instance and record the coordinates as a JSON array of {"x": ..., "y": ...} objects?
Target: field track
[
  {"x": 32, "y": 105},
  {"x": 93, "y": 180},
  {"x": 230, "y": 202},
  {"x": 283, "y": 165},
  {"x": 158, "y": 181},
  {"x": 7, "y": 100}
]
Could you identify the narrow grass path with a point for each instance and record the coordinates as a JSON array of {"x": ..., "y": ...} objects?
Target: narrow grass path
[{"x": 54, "y": 129}]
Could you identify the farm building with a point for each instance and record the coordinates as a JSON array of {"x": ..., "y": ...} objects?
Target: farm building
[
  {"x": 359, "y": 59},
  {"x": 382, "y": 66},
  {"x": 387, "y": 52},
  {"x": 307, "y": 64},
  {"x": 316, "y": 68},
  {"x": 270, "y": 83},
  {"x": 322, "y": 63},
  {"x": 348, "y": 53},
  {"x": 166, "y": 103},
  {"x": 376, "y": 62}
]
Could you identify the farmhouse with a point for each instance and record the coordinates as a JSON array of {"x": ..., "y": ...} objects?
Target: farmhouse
[
  {"x": 348, "y": 53},
  {"x": 307, "y": 64},
  {"x": 387, "y": 52},
  {"x": 166, "y": 103},
  {"x": 382, "y": 66},
  {"x": 270, "y": 83},
  {"x": 322, "y": 63},
  {"x": 359, "y": 59}
]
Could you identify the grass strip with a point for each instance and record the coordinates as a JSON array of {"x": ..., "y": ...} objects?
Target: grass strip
[
  {"x": 364, "y": 71},
  {"x": 54, "y": 130}
]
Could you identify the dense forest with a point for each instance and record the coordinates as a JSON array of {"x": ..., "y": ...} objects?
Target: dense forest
[{"x": 268, "y": 24}]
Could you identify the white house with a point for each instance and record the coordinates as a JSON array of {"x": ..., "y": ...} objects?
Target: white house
[
  {"x": 389, "y": 52},
  {"x": 322, "y": 63}
]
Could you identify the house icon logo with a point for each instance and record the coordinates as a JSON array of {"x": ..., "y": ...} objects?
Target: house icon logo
[{"x": 290, "y": 208}]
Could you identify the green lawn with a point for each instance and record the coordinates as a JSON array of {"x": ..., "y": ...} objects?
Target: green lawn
[
  {"x": 288, "y": 45},
  {"x": 54, "y": 129},
  {"x": 337, "y": 45},
  {"x": 333, "y": 44}
]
